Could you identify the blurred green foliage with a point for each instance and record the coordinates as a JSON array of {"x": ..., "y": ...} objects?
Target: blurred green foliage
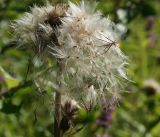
[{"x": 27, "y": 112}]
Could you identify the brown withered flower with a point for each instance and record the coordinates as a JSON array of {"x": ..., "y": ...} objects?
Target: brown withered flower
[
  {"x": 54, "y": 16},
  {"x": 69, "y": 110}
]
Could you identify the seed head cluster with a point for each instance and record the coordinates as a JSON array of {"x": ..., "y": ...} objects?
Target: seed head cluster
[{"x": 86, "y": 43}]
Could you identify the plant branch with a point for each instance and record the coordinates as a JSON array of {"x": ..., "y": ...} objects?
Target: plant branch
[
  {"x": 57, "y": 116},
  {"x": 10, "y": 92}
]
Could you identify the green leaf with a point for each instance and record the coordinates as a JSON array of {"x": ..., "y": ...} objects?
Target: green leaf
[{"x": 10, "y": 81}]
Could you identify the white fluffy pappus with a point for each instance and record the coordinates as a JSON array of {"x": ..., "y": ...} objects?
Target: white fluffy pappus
[
  {"x": 88, "y": 45},
  {"x": 33, "y": 31},
  {"x": 94, "y": 59}
]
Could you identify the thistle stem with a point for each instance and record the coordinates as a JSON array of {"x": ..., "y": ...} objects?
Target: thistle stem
[{"x": 57, "y": 116}]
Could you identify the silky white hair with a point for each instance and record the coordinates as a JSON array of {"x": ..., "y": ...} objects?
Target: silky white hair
[{"x": 87, "y": 44}]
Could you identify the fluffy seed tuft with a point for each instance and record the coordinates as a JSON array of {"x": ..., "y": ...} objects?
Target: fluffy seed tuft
[{"x": 85, "y": 41}]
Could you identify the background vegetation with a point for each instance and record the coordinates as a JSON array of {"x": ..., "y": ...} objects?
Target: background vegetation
[{"x": 26, "y": 111}]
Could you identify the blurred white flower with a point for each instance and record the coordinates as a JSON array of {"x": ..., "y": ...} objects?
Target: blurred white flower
[
  {"x": 122, "y": 15},
  {"x": 84, "y": 41}
]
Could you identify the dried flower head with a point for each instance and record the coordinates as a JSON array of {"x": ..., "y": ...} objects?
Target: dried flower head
[
  {"x": 69, "y": 110},
  {"x": 94, "y": 61},
  {"x": 84, "y": 41},
  {"x": 38, "y": 28}
]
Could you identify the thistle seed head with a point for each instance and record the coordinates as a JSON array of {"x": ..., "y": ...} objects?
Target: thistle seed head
[{"x": 85, "y": 41}]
